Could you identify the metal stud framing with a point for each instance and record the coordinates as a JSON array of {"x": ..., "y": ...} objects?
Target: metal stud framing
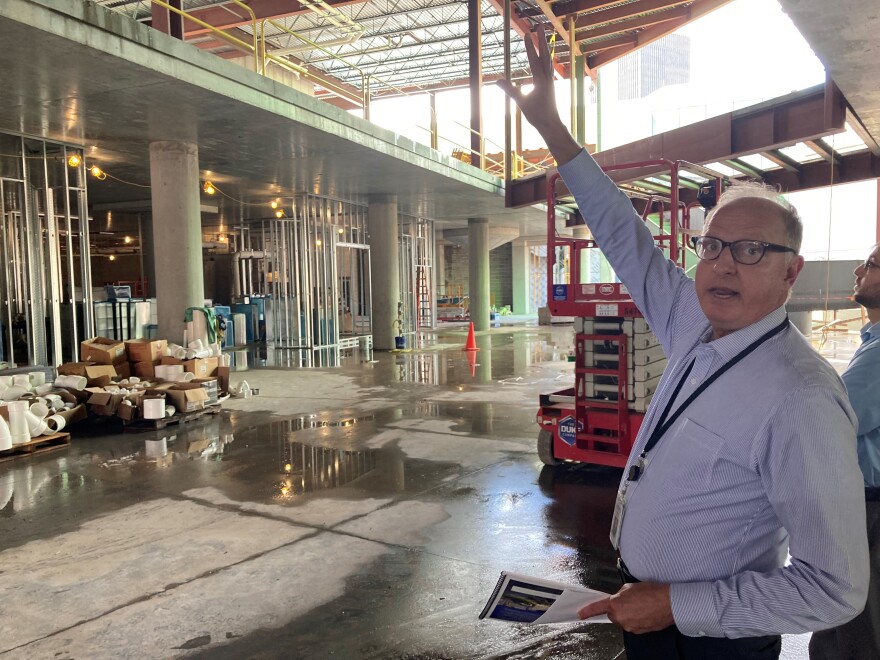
[
  {"x": 314, "y": 270},
  {"x": 45, "y": 280}
]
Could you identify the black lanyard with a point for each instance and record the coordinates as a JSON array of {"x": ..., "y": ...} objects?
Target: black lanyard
[{"x": 663, "y": 424}]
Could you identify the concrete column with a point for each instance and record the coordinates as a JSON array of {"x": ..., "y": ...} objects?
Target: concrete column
[
  {"x": 478, "y": 272},
  {"x": 148, "y": 254},
  {"x": 177, "y": 233},
  {"x": 803, "y": 321},
  {"x": 520, "y": 262},
  {"x": 384, "y": 268}
]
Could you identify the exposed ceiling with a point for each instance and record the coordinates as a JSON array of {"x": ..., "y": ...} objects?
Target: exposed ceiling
[
  {"x": 259, "y": 139},
  {"x": 844, "y": 36},
  {"x": 403, "y": 46}
]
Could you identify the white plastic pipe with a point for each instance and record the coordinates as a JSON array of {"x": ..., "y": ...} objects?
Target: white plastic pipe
[{"x": 236, "y": 272}]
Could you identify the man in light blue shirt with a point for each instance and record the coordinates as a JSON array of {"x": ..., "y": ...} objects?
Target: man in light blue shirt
[
  {"x": 860, "y": 638},
  {"x": 747, "y": 452}
]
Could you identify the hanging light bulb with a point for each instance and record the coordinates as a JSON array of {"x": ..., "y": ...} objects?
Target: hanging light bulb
[
  {"x": 209, "y": 188},
  {"x": 279, "y": 213},
  {"x": 74, "y": 160},
  {"x": 127, "y": 240},
  {"x": 112, "y": 257},
  {"x": 97, "y": 172},
  {"x": 274, "y": 203},
  {"x": 318, "y": 242},
  {"x": 340, "y": 230}
]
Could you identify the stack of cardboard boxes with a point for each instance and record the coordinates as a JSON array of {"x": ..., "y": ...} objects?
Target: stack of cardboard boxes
[{"x": 108, "y": 365}]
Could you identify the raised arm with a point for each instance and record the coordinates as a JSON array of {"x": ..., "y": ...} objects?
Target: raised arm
[
  {"x": 653, "y": 281},
  {"x": 539, "y": 107}
]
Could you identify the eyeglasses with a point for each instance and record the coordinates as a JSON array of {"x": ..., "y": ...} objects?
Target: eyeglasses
[
  {"x": 868, "y": 265},
  {"x": 745, "y": 252}
]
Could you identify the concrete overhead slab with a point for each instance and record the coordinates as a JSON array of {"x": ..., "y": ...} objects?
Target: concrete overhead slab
[
  {"x": 82, "y": 74},
  {"x": 498, "y": 236},
  {"x": 845, "y": 36}
]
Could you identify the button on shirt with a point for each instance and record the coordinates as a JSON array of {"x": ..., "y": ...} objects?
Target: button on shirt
[
  {"x": 862, "y": 380},
  {"x": 761, "y": 464}
]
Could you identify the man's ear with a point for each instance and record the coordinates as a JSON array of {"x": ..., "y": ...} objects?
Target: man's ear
[{"x": 794, "y": 268}]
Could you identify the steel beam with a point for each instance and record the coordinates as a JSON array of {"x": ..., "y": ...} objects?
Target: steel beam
[
  {"x": 859, "y": 129},
  {"x": 823, "y": 149},
  {"x": 606, "y": 44},
  {"x": 224, "y": 17},
  {"x": 808, "y": 115},
  {"x": 786, "y": 163},
  {"x": 859, "y": 166},
  {"x": 695, "y": 10},
  {"x": 475, "y": 76},
  {"x": 742, "y": 166},
  {"x": 636, "y": 23}
]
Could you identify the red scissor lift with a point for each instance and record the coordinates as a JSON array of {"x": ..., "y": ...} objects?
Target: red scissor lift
[{"x": 580, "y": 423}]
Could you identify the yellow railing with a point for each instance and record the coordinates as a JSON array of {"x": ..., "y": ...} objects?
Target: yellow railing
[
  {"x": 339, "y": 90},
  {"x": 234, "y": 41},
  {"x": 262, "y": 56}
]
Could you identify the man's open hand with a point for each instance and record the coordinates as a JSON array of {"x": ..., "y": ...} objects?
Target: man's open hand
[{"x": 539, "y": 106}]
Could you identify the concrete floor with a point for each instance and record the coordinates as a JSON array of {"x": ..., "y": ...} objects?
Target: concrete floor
[{"x": 363, "y": 511}]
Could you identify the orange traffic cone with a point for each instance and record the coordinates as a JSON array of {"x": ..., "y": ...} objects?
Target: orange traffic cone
[
  {"x": 472, "y": 362},
  {"x": 471, "y": 344}
]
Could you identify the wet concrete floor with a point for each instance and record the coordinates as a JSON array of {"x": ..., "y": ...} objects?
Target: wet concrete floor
[{"x": 358, "y": 511}]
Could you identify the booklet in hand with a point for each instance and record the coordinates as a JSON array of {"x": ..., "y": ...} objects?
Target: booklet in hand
[{"x": 532, "y": 600}]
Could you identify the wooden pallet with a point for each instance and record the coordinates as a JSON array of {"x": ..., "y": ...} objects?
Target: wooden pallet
[
  {"x": 37, "y": 445},
  {"x": 178, "y": 418}
]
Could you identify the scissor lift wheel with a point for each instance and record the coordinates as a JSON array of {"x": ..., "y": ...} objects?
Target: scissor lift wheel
[{"x": 545, "y": 448}]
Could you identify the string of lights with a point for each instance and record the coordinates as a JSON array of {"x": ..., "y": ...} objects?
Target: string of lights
[{"x": 209, "y": 188}]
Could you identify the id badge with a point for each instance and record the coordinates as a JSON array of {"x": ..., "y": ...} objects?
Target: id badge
[{"x": 617, "y": 519}]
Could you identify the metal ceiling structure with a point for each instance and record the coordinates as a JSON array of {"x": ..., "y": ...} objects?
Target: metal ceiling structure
[
  {"x": 406, "y": 46},
  {"x": 259, "y": 139}
]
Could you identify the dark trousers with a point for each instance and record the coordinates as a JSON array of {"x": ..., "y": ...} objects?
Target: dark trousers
[
  {"x": 860, "y": 638},
  {"x": 670, "y": 644}
]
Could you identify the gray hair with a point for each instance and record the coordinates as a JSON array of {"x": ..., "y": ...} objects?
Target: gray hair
[{"x": 739, "y": 190}]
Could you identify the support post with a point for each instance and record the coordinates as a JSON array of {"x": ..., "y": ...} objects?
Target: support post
[
  {"x": 475, "y": 73},
  {"x": 177, "y": 233},
  {"x": 478, "y": 272},
  {"x": 385, "y": 268}
]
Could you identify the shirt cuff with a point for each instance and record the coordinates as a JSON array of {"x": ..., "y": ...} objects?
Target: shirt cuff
[{"x": 693, "y": 608}]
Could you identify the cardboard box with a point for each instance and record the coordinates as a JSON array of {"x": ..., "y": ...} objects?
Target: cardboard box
[
  {"x": 97, "y": 375},
  {"x": 130, "y": 413},
  {"x": 222, "y": 374},
  {"x": 105, "y": 403},
  {"x": 145, "y": 369},
  {"x": 145, "y": 350},
  {"x": 123, "y": 370},
  {"x": 187, "y": 397},
  {"x": 78, "y": 396},
  {"x": 102, "y": 350},
  {"x": 202, "y": 367},
  {"x": 211, "y": 386},
  {"x": 74, "y": 368}
]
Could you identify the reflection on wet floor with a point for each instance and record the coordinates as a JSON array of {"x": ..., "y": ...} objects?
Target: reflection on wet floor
[
  {"x": 306, "y": 468},
  {"x": 407, "y": 480},
  {"x": 437, "y": 360}
]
